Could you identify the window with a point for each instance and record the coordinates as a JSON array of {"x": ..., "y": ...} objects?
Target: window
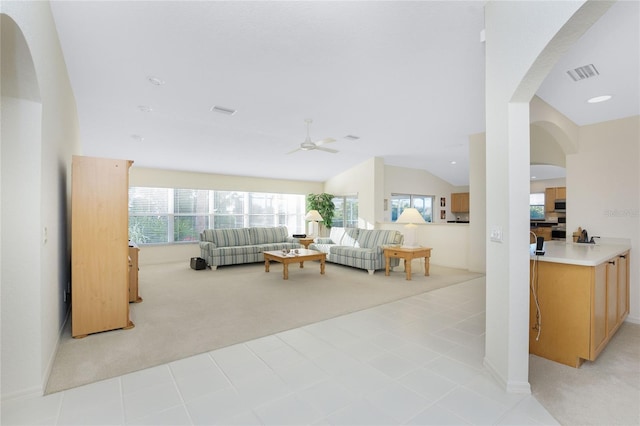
[
  {"x": 536, "y": 206},
  {"x": 346, "y": 212},
  {"x": 422, "y": 203},
  {"x": 168, "y": 215}
]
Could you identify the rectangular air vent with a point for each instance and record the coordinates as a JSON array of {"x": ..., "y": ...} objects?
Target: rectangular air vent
[
  {"x": 223, "y": 110},
  {"x": 584, "y": 72}
]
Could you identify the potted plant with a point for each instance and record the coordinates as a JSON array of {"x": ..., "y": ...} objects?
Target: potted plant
[{"x": 324, "y": 204}]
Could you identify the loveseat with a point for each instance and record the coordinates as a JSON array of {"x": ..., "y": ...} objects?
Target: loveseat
[
  {"x": 243, "y": 245},
  {"x": 359, "y": 248}
]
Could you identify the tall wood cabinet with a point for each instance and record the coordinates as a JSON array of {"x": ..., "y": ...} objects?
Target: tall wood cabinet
[
  {"x": 553, "y": 194},
  {"x": 99, "y": 245}
]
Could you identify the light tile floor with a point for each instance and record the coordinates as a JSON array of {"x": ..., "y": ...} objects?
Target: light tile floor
[{"x": 416, "y": 361}]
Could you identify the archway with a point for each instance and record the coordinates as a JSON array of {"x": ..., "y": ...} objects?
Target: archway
[{"x": 21, "y": 188}]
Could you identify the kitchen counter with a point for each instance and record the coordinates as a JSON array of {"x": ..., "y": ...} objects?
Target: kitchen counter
[
  {"x": 578, "y": 253},
  {"x": 579, "y": 297}
]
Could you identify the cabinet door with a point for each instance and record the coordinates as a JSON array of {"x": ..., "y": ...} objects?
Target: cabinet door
[
  {"x": 612, "y": 295},
  {"x": 460, "y": 202},
  {"x": 549, "y": 199},
  {"x": 623, "y": 286},
  {"x": 561, "y": 193},
  {"x": 599, "y": 311},
  {"x": 464, "y": 202},
  {"x": 99, "y": 245},
  {"x": 545, "y": 233}
]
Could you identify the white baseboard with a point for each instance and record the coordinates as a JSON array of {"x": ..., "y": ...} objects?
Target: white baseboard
[
  {"x": 633, "y": 320},
  {"x": 509, "y": 387}
]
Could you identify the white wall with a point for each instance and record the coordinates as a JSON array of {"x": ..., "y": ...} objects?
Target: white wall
[
  {"x": 477, "y": 203},
  {"x": 21, "y": 248},
  {"x": 449, "y": 241},
  {"x": 402, "y": 180},
  {"x": 537, "y": 186},
  {"x": 603, "y": 188},
  {"x": 32, "y": 322},
  {"x": 158, "y": 178},
  {"x": 523, "y": 42},
  {"x": 361, "y": 181}
]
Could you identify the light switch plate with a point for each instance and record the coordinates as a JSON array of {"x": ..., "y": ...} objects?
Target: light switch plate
[{"x": 496, "y": 233}]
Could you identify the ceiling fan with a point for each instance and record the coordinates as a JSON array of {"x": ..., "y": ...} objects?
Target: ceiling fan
[{"x": 309, "y": 145}]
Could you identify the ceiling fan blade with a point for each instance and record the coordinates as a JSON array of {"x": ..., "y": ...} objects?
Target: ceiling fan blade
[
  {"x": 324, "y": 141},
  {"x": 291, "y": 152},
  {"x": 320, "y": 148}
]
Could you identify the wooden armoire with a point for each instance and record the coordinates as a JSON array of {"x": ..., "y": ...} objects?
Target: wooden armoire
[{"x": 99, "y": 245}]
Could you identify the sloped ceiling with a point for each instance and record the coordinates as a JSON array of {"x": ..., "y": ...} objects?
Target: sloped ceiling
[{"x": 407, "y": 78}]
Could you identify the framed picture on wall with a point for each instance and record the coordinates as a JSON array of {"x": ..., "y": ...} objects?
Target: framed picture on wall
[
  {"x": 443, "y": 202},
  {"x": 443, "y": 214}
]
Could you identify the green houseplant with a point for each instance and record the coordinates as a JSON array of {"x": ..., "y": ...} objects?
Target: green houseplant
[{"x": 324, "y": 204}]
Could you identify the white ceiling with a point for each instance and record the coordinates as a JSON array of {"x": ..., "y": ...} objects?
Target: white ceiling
[{"x": 406, "y": 77}]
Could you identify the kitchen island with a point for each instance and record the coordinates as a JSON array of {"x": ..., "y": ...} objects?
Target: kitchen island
[{"x": 579, "y": 297}]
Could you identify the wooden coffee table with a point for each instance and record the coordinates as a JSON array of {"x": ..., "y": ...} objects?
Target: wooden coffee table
[{"x": 300, "y": 257}]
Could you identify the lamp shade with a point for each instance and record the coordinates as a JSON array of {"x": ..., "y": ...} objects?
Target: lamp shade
[
  {"x": 313, "y": 215},
  {"x": 410, "y": 215}
]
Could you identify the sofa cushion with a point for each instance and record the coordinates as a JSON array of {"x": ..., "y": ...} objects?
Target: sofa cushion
[
  {"x": 350, "y": 237},
  {"x": 236, "y": 251},
  {"x": 231, "y": 237},
  {"x": 371, "y": 238},
  {"x": 340, "y": 252},
  {"x": 276, "y": 234},
  {"x": 344, "y": 236}
]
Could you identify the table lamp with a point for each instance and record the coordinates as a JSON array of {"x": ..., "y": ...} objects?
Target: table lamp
[
  {"x": 314, "y": 217},
  {"x": 411, "y": 216}
]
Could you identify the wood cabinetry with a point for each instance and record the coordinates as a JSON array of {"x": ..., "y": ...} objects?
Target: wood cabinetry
[
  {"x": 553, "y": 194},
  {"x": 134, "y": 295},
  {"x": 542, "y": 231},
  {"x": 99, "y": 245},
  {"x": 581, "y": 308},
  {"x": 623, "y": 286},
  {"x": 460, "y": 202}
]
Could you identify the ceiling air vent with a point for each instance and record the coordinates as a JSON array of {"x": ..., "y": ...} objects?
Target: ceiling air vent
[
  {"x": 584, "y": 72},
  {"x": 352, "y": 137},
  {"x": 223, "y": 110}
]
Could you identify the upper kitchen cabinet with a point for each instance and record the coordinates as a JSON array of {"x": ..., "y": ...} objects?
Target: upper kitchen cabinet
[
  {"x": 460, "y": 202},
  {"x": 551, "y": 195}
]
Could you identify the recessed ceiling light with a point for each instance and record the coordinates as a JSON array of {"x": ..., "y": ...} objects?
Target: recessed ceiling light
[
  {"x": 145, "y": 108},
  {"x": 453, "y": 162},
  {"x": 599, "y": 99},
  {"x": 223, "y": 110},
  {"x": 156, "y": 81},
  {"x": 138, "y": 138},
  {"x": 352, "y": 137},
  {"x": 533, "y": 177}
]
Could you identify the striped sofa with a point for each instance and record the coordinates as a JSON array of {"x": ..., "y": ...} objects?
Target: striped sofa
[
  {"x": 243, "y": 245},
  {"x": 359, "y": 248}
]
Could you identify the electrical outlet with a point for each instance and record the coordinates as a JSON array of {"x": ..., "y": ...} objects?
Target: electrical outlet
[{"x": 496, "y": 233}]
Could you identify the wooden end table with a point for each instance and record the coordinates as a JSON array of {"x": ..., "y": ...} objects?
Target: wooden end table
[
  {"x": 305, "y": 241},
  {"x": 300, "y": 257},
  {"x": 408, "y": 254}
]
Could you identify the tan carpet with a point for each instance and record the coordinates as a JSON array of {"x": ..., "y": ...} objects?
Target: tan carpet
[
  {"x": 187, "y": 312},
  {"x": 603, "y": 392}
]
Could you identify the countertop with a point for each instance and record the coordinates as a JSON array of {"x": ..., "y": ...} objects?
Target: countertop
[{"x": 578, "y": 253}]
